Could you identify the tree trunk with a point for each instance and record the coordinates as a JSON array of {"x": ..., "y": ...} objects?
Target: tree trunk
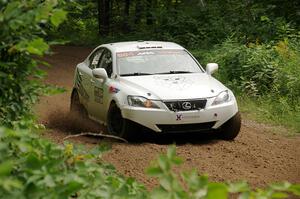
[
  {"x": 103, "y": 16},
  {"x": 138, "y": 12},
  {"x": 126, "y": 8},
  {"x": 126, "y": 27},
  {"x": 149, "y": 16}
]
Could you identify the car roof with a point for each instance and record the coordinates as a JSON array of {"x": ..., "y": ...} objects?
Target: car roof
[{"x": 141, "y": 45}]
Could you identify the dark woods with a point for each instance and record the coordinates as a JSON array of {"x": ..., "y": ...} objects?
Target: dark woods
[{"x": 189, "y": 22}]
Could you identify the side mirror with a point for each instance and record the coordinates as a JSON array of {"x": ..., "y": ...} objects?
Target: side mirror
[
  {"x": 99, "y": 73},
  {"x": 211, "y": 68}
]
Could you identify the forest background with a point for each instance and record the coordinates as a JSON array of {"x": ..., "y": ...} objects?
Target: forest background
[{"x": 256, "y": 44}]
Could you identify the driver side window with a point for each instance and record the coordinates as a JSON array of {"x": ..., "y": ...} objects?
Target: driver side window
[
  {"x": 106, "y": 62},
  {"x": 94, "y": 58}
]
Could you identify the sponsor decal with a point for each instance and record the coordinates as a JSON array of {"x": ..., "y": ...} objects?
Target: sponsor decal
[
  {"x": 174, "y": 82},
  {"x": 79, "y": 86},
  {"x": 113, "y": 89},
  {"x": 191, "y": 116},
  {"x": 126, "y": 54},
  {"x": 146, "y": 53},
  {"x": 98, "y": 93},
  {"x": 179, "y": 117},
  {"x": 153, "y": 52}
]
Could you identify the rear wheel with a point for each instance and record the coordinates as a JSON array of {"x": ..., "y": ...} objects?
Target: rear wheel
[
  {"x": 117, "y": 125},
  {"x": 231, "y": 128},
  {"x": 76, "y": 107}
]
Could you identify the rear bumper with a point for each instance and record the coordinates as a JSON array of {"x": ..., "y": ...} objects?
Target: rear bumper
[{"x": 164, "y": 120}]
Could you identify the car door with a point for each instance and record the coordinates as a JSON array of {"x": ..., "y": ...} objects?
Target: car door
[
  {"x": 85, "y": 73},
  {"x": 101, "y": 88}
]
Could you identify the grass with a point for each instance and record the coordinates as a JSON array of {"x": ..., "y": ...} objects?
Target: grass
[{"x": 274, "y": 112}]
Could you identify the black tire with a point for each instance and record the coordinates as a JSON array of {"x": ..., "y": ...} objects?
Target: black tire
[
  {"x": 231, "y": 128},
  {"x": 76, "y": 107},
  {"x": 117, "y": 125}
]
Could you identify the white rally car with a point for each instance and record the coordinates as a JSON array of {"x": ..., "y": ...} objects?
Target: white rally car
[{"x": 158, "y": 85}]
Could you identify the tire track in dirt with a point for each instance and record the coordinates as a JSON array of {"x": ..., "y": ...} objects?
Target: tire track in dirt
[{"x": 259, "y": 155}]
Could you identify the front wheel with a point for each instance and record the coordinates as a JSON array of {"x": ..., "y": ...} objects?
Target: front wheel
[
  {"x": 117, "y": 125},
  {"x": 231, "y": 128}
]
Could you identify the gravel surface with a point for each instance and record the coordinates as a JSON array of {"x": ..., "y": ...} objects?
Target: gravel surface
[{"x": 260, "y": 154}]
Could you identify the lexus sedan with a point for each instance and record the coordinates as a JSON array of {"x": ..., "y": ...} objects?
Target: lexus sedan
[{"x": 157, "y": 85}]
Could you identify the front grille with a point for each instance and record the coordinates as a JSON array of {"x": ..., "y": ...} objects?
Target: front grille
[
  {"x": 181, "y": 128},
  {"x": 186, "y": 105}
]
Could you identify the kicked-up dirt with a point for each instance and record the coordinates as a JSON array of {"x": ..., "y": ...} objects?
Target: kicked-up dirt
[{"x": 260, "y": 154}]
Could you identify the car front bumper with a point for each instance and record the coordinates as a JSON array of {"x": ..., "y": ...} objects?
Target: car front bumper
[{"x": 161, "y": 120}]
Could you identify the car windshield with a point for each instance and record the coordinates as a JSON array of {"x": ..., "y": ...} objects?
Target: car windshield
[{"x": 156, "y": 62}]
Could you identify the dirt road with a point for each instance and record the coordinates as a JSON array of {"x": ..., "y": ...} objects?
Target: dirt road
[{"x": 259, "y": 154}]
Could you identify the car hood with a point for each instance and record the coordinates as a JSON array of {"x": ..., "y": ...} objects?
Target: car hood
[{"x": 174, "y": 86}]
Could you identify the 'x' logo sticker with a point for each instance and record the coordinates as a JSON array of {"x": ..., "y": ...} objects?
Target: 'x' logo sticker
[{"x": 178, "y": 117}]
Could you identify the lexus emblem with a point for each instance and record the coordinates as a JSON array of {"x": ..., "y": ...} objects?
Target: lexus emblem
[{"x": 186, "y": 105}]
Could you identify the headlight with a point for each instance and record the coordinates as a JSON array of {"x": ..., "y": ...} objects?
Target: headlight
[
  {"x": 139, "y": 101},
  {"x": 222, "y": 98}
]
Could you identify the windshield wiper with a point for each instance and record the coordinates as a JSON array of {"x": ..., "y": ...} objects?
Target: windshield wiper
[
  {"x": 175, "y": 72},
  {"x": 135, "y": 74}
]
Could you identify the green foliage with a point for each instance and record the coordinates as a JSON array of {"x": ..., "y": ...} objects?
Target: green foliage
[
  {"x": 81, "y": 24},
  {"x": 31, "y": 167},
  {"x": 22, "y": 30},
  {"x": 249, "y": 68},
  {"x": 259, "y": 69},
  {"x": 288, "y": 61},
  {"x": 191, "y": 23},
  {"x": 272, "y": 110},
  {"x": 266, "y": 73}
]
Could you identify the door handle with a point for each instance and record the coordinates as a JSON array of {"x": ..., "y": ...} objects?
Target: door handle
[{"x": 91, "y": 80}]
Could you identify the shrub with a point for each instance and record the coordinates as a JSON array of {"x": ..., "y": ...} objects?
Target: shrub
[
  {"x": 259, "y": 69},
  {"x": 31, "y": 167},
  {"x": 267, "y": 74},
  {"x": 22, "y": 27},
  {"x": 288, "y": 61}
]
